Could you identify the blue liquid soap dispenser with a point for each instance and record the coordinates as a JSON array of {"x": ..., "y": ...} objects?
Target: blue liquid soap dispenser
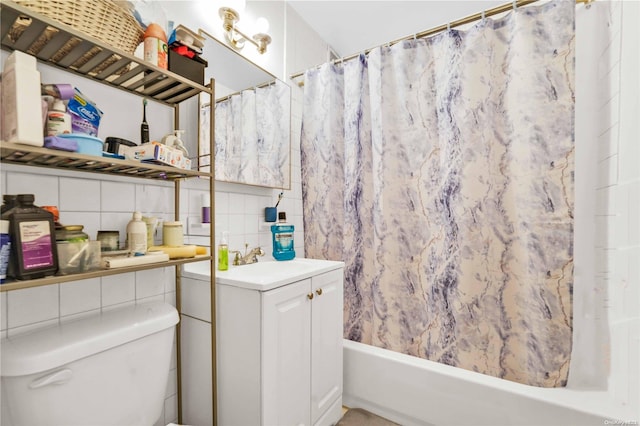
[{"x": 282, "y": 233}]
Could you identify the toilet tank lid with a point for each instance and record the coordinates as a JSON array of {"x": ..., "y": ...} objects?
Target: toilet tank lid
[{"x": 69, "y": 341}]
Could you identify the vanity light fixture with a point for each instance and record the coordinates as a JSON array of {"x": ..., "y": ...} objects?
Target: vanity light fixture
[{"x": 237, "y": 38}]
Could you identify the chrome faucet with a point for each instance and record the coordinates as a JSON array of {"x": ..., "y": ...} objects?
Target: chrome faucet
[{"x": 249, "y": 257}]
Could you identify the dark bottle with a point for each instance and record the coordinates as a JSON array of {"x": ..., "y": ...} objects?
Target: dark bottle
[
  {"x": 8, "y": 202},
  {"x": 32, "y": 233}
]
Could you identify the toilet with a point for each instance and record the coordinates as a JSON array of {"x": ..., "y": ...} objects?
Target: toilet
[{"x": 109, "y": 368}]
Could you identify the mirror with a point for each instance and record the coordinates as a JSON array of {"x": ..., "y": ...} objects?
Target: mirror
[{"x": 252, "y": 121}]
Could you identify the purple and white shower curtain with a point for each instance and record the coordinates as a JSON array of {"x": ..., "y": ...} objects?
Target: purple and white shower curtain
[
  {"x": 441, "y": 171},
  {"x": 251, "y": 128}
]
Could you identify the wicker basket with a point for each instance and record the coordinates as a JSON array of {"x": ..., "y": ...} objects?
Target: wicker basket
[{"x": 102, "y": 19}]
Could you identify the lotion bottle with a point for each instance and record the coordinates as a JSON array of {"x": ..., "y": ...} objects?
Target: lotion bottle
[
  {"x": 137, "y": 234},
  {"x": 58, "y": 120}
]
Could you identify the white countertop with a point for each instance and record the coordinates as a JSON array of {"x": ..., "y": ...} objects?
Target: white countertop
[{"x": 263, "y": 276}]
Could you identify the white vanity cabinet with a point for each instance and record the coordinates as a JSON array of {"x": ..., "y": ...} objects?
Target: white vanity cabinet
[{"x": 280, "y": 349}]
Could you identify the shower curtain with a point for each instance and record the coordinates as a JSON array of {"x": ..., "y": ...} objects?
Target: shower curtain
[
  {"x": 250, "y": 127},
  {"x": 441, "y": 171}
]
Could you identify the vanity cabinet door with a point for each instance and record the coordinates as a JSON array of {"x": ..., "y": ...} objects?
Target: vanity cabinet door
[
  {"x": 326, "y": 344},
  {"x": 286, "y": 366}
]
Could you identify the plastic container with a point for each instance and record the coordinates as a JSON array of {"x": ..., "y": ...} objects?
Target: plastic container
[
  {"x": 58, "y": 120},
  {"x": 156, "y": 50},
  {"x": 87, "y": 144},
  {"x": 5, "y": 249},
  {"x": 117, "y": 145},
  {"x": 152, "y": 226},
  {"x": 32, "y": 232},
  {"x": 9, "y": 201},
  {"x": 77, "y": 257},
  {"x": 60, "y": 91},
  {"x": 21, "y": 102},
  {"x": 137, "y": 234},
  {"x": 223, "y": 252},
  {"x": 71, "y": 234},
  {"x": 109, "y": 240},
  {"x": 282, "y": 238},
  {"x": 172, "y": 234},
  {"x": 206, "y": 208}
]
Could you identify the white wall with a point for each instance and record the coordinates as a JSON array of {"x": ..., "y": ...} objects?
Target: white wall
[
  {"x": 617, "y": 203},
  {"x": 102, "y": 202}
]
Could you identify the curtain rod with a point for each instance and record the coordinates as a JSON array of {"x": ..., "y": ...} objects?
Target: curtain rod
[
  {"x": 466, "y": 20},
  {"x": 224, "y": 98}
]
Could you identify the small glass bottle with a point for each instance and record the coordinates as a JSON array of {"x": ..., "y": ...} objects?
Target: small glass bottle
[{"x": 223, "y": 252}]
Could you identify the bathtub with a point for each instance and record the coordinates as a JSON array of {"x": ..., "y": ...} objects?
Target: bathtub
[{"x": 415, "y": 391}]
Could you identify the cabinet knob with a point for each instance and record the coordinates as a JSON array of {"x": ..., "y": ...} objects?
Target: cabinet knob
[
  {"x": 319, "y": 292},
  {"x": 310, "y": 296}
]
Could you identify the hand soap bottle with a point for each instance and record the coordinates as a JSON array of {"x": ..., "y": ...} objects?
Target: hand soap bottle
[
  {"x": 223, "y": 253},
  {"x": 282, "y": 236}
]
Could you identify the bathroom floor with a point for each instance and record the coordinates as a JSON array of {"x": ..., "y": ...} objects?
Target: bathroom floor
[{"x": 360, "y": 417}]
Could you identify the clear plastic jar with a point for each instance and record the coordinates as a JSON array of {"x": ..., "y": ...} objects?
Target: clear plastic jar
[
  {"x": 109, "y": 240},
  {"x": 71, "y": 234},
  {"x": 172, "y": 234}
]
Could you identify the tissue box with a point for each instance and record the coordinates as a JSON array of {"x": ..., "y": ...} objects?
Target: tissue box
[
  {"x": 157, "y": 152},
  {"x": 74, "y": 258}
]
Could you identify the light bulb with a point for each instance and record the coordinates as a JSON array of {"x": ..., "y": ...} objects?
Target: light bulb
[{"x": 262, "y": 25}]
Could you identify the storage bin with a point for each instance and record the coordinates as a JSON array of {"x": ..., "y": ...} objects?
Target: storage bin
[
  {"x": 87, "y": 144},
  {"x": 74, "y": 258},
  {"x": 186, "y": 67},
  {"x": 104, "y": 20}
]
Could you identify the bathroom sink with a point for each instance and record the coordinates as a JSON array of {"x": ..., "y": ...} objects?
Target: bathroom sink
[{"x": 265, "y": 275}]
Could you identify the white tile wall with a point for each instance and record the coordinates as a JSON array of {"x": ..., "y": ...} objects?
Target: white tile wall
[
  {"x": 81, "y": 199},
  {"x": 618, "y": 201}
]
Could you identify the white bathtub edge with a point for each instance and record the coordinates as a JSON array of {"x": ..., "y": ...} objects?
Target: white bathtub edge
[{"x": 413, "y": 391}]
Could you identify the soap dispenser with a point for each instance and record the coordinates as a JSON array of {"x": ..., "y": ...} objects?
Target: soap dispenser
[
  {"x": 174, "y": 141},
  {"x": 178, "y": 144},
  {"x": 282, "y": 237},
  {"x": 223, "y": 252}
]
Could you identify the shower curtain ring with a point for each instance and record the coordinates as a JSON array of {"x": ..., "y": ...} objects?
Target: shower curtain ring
[
  {"x": 515, "y": 4},
  {"x": 448, "y": 26},
  {"x": 483, "y": 16}
]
